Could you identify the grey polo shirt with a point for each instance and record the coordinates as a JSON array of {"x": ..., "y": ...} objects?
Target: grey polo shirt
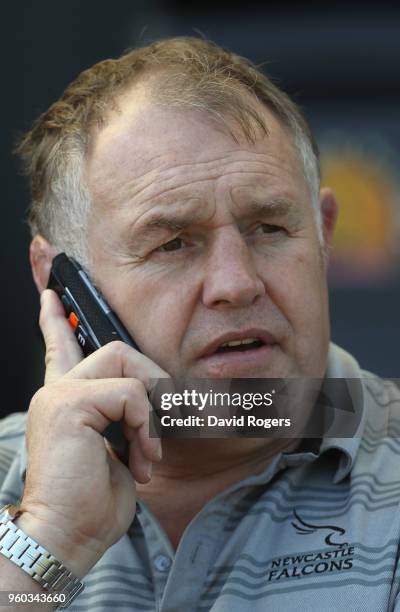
[{"x": 318, "y": 530}]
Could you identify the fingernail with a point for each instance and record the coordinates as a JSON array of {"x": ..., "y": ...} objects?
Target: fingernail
[
  {"x": 159, "y": 451},
  {"x": 150, "y": 471}
]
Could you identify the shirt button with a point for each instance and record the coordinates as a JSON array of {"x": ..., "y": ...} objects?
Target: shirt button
[{"x": 162, "y": 563}]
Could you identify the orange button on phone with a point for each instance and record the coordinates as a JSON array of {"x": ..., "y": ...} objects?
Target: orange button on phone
[{"x": 73, "y": 320}]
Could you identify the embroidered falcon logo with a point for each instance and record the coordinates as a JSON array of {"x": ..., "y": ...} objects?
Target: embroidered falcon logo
[{"x": 303, "y": 528}]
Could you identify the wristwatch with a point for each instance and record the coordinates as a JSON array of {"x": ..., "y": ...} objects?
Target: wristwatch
[{"x": 22, "y": 550}]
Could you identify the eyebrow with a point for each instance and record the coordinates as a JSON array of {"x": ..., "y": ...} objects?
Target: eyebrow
[
  {"x": 173, "y": 222},
  {"x": 277, "y": 207},
  {"x": 176, "y": 222}
]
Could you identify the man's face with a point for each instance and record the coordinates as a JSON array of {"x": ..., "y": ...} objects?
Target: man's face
[{"x": 197, "y": 240}]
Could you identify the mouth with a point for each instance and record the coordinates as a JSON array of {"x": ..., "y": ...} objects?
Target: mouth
[
  {"x": 246, "y": 341},
  {"x": 244, "y": 354},
  {"x": 236, "y": 346}
]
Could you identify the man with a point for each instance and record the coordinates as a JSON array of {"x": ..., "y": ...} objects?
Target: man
[{"x": 187, "y": 185}]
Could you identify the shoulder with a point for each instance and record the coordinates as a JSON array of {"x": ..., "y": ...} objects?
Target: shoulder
[
  {"x": 381, "y": 401},
  {"x": 12, "y": 431},
  {"x": 380, "y": 443}
]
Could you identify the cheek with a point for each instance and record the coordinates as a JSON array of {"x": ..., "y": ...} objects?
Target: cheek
[
  {"x": 299, "y": 292},
  {"x": 157, "y": 313},
  {"x": 296, "y": 283}
]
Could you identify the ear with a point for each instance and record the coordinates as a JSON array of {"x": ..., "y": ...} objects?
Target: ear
[
  {"x": 41, "y": 254},
  {"x": 329, "y": 213}
]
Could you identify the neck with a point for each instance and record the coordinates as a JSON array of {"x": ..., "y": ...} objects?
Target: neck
[
  {"x": 203, "y": 459},
  {"x": 192, "y": 472}
]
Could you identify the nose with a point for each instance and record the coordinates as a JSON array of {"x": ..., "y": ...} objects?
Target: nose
[{"x": 231, "y": 278}]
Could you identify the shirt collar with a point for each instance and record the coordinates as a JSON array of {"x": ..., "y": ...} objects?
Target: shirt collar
[
  {"x": 344, "y": 388},
  {"x": 346, "y": 432}
]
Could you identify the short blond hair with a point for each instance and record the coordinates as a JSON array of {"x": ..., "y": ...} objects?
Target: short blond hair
[{"x": 190, "y": 72}]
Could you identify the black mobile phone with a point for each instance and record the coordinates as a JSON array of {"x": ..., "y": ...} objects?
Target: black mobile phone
[{"x": 93, "y": 322}]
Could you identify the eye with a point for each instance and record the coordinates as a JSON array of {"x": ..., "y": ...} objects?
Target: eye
[
  {"x": 268, "y": 228},
  {"x": 172, "y": 245}
]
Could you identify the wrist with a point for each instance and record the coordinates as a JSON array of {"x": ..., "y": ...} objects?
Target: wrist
[{"x": 77, "y": 557}]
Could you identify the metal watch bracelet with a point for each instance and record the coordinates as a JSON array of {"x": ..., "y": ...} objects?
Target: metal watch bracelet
[{"x": 22, "y": 550}]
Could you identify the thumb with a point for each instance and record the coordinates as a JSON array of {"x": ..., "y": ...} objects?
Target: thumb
[{"x": 62, "y": 349}]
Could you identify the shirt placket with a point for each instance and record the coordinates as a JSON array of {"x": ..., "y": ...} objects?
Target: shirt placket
[{"x": 193, "y": 559}]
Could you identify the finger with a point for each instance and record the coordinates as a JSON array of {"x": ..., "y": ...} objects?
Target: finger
[
  {"x": 62, "y": 350},
  {"x": 119, "y": 360},
  {"x": 150, "y": 445},
  {"x": 139, "y": 466},
  {"x": 111, "y": 399}
]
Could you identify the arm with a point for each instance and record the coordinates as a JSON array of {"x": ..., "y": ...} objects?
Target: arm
[
  {"x": 13, "y": 579},
  {"x": 79, "y": 499}
]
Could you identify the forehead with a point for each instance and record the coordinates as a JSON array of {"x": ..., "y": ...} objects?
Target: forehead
[{"x": 146, "y": 150}]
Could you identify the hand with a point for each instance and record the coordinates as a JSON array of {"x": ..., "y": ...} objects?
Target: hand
[{"x": 78, "y": 496}]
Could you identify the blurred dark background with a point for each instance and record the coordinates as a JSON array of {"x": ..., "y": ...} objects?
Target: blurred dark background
[{"x": 340, "y": 63}]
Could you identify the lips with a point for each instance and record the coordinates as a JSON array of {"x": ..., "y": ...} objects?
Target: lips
[
  {"x": 240, "y": 345},
  {"x": 236, "y": 341}
]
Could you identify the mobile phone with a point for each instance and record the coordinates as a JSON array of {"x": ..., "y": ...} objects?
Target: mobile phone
[
  {"x": 91, "y": 318},
  {"x": 93, "y": 322}
]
